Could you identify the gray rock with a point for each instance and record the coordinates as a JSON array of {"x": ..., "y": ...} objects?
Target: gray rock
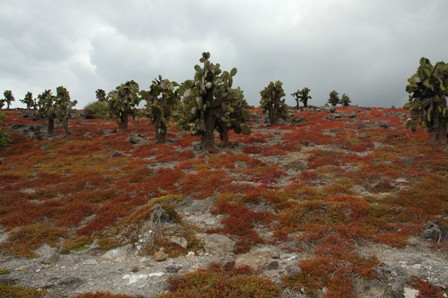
[
  {"x": 52, "y": 258},
  {"x": 288, "y": 257},
  {"x": 90, "y": 262},
  {"x": 410, "y": 293},
  {"x": 118, "y": 254},
  {"x": 173, "y": 268},
  {"x": 292, "y": 270},
  {"x": 434, "y": 231},
  {"x": 67, "y": 281},
  {"x": 218, "y": 244},
  {"x": 275, "y": 255},
  {"x": 229, "y": 259},
  {"x": 274, "y": 265},
  {"x": 181, "y": 241},
  {"x": 137, "y": 139},
  {"x": 160, "y": 256}
]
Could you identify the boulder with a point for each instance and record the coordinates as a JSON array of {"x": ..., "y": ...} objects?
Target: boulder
[
  {"x": 218, "y": 244},
  {"x": 118, "y": 254}
]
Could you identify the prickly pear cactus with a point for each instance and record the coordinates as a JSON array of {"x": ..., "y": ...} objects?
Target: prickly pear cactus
[
  {"x": 345, "y": 100},
  {"x": 210, "y": 102},
  {"x": 9, "y": 98},
  {"x": 428, "y": 89},
  {"x": 162, "y": 104},
  {"x": 334, "y": 98},
  {"x": 29, "y": 101},
  {"x": 272, "y": 102},
  {"x": 302, "y": 96},
  {"x": 122, "y": 101},
  {"x": 47, "y": 108},
  {"x": 64, "y": 106},
  {"x": 101, "y": 95}
]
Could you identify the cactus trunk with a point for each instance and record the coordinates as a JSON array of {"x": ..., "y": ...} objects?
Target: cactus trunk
[
  {"x": 50, "y": 125},
  {"x": 273, "y": 115},
  {"x": 224, "y": 134},
  {"x": 160, "y": 128},
  {"x": 65, "y": 125},
  {"x": 123, "y": 123},
  {"x": 208, "y": 135}
]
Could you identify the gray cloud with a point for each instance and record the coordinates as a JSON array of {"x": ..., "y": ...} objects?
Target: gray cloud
[{"x": 366, "y": 49}]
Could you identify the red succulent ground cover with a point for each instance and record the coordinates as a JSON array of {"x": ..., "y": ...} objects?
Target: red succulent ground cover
[{"x": 329, "y": 184}]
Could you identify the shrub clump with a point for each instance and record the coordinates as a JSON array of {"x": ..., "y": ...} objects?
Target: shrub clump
[
  {"x": 96, "y": 110},
  {"x": 20, "y": 292},
  {"x": 222, "y": 281}
]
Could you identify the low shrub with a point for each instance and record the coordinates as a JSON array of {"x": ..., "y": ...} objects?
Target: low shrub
[
  {"x": 222, "y": 281},
  {"x": 96, "y": 110}
]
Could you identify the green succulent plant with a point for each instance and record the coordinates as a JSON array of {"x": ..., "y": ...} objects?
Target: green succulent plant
[
  {"x": 428, "y": 89},
  {"x": 64, "y": 106},
  {"x": 9, "y": 98},
  {"x": 47, "y": 108},
  {"x": 210, "y": 102},
  {"x": 162, "y": 105},
  {"x": 101, "y": 95},
  {"x": 334, "y": 98},
  {"x": 56, "y": 107},
  {"x": 272, "y": 102},
  {"x": 122, "y": 102},
  {"x": 345, "y": 100},
  {"x": 302, "y": 96},
  {"x": 29, "y": 101}
]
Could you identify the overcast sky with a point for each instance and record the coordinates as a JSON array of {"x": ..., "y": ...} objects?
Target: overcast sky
[{"x": 364, "y": 48}]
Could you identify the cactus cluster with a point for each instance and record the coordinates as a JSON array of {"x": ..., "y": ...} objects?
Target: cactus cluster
[
  {"x": 122, "y": 102},
  {"x": 47, "y": 108},
  {"x": 9, "y": 98},
  {"x": 428, "y": 89},
  {"x": 29, "y": 101},
  {"x": 64, "y": 106},
  {"x": 101, "y": 95},
  {"x": 345, "y": 100},
  {"x": 273, "y": 103},
  {"x": 334, "y": 98},
  {"x": 162, "y": 104},
  {"x": 52, "y": 107},
  {"x": 302, "y": 96},
  {"x": 210, "y": 102}
]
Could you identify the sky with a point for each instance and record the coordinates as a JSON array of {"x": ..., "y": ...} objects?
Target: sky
[{"x": 364, "y": 48}]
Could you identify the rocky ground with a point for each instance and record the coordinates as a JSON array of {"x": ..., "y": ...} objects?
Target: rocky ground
[{"x": 123, "y": 271}]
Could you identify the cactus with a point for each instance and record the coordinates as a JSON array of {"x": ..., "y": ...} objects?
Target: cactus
[
  {"x": 52, "y": 107},
  {"x": 272, "y": 102},
  {"x": 100, "y": 95},
  {"x": 64, "y": 106},
  {"x": 302, "y": 96},
  {"x": 9, "y": 98},
  {"x": 334, "y": 98},
  {"x": 345, "y": 100},
  {"x": 162, "y": 103},
  {"x": 47, "y": 108},
  {"x": 210, "y": 102},
  {"x": 122, "y": 102},
  {"x": 29, "y": 101},
  {"x": 428, "y": 89}
]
